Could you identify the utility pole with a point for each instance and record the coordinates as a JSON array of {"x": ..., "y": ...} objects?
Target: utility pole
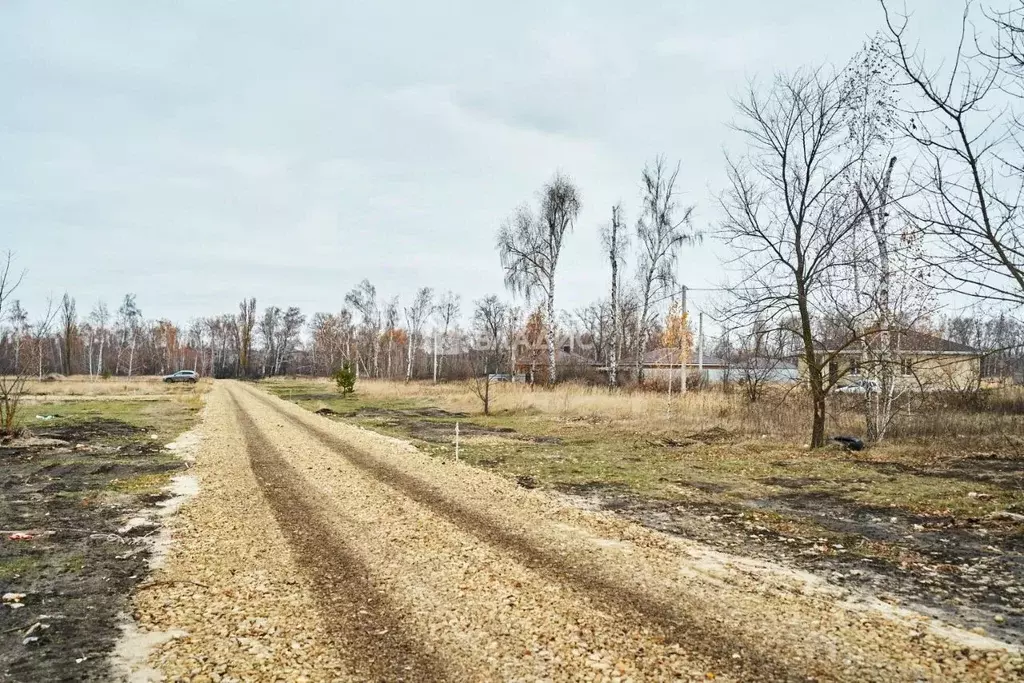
[
  {"x": 685, "y": 353},
  {"x": 700, "y": 345}
]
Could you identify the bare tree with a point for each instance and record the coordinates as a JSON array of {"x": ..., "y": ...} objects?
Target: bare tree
[
  {"x": 390, "y": 330},
  {"x": 99, "y": 318},
  {"x": 267, "y": 329},
  {"x": 660, "y": 232},
  {"x": 9, "y": 281},
  {"x": 41, "y": 332},
  {"x": 363, "y": 298},
  {"x": 615, "y": 244},
  {"x": 69, "y": 331},
  {"x": 889, "y": 294},
  {"x": 530, "y": 246},
  {"x": 129, "y": 319},
  {"x": 789, "y": 211},
  {"x": 967, "y": 131},
  {"x": 415, "y": 315},
  {"x": 446, "y": 311},
  {"x": 12, "y": 384},
  {"x": 18, "y": 318},
  {"x": 489, "y": 321},
  {"x": 287, "y": 338},
  {"x": 246, "y": 323}
]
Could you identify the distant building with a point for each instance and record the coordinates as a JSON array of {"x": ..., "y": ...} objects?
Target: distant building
[
  {"x": 664, "y": 363},
  {"x": 924, "y": 359}
]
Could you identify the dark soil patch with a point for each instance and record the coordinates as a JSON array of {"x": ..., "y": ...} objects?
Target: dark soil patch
[
  {"x": 711, "y": 435},
  {"x": 84, "y": 432},
  {"x": 963, "y": 569},
  {"x": 400, "y": 414},
  {"x": 706, "y": 486},
  {"x": 791, "y": 482},
  {"x": 1006, "y": 473},
  {"x": 76, "y": 571}
]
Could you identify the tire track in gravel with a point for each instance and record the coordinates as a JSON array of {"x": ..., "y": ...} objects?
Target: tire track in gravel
[
  {"x": 375, "y": 640},
  {"x": 575, "y": 573}
]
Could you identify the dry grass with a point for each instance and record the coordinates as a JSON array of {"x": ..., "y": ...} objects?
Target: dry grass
[
  {"x": 782, "y": 415},
  {"x": 83, "y": 387}
]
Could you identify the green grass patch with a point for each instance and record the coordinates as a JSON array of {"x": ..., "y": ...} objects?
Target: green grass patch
[
  {"x": 14, "y": 567},
  {"x": 142, "y": 484}
]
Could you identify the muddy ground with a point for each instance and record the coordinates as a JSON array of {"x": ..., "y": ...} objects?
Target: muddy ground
[{"x": 72, "y": 487}]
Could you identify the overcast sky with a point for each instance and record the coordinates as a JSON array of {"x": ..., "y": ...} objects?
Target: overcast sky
[{"x": 198, "y": 152}]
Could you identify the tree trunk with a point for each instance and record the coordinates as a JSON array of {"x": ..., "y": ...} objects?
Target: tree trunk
[
  {"x": 552, "y": 370},
  {"x": 641, "y": 345},
  {"x": 814, "y": 378},
  {"x": 435, "y": 358},
  {"x": 408, "y": 367},
  {"x": 613, "y": 355},
  {"x": 487, "y": 394},
  {"x": 131, "y": 358},
  {"x": 818, "y": 423}
]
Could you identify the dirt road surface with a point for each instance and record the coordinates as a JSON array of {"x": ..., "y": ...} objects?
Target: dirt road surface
[{"x": 320, "y": 551}]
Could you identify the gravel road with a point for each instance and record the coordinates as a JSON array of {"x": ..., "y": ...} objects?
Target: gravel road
[{"x": 317, "y": 550}]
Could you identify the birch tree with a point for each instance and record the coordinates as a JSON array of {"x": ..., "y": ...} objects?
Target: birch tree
[
  {"x": 287, "y": 338},
  {"x": 415, "y": 315},
  {"x": 530, "y": 247},
  {"x": 268, "y": 330},
  {"x": 446, "y": 312},
  {"x": 99, "y": 318},
  {"x": 363, "y": 298},
  {"x": 390, "y": 332},
  {"x": 663, "y": 227},
  {"x": 615, "y": 244},
  {"x": 129, "y": 318},
  {"x": 889, "y": 294}
]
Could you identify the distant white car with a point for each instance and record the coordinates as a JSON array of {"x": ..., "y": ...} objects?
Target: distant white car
[{"x": 860, "y": 386}]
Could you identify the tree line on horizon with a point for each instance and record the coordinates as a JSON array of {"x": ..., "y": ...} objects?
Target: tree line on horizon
[{"x": 862, "y": 196}]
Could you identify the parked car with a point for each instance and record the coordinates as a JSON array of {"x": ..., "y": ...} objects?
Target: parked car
[
  {"x": 496, "y": 377},
  {"x": 860, "y": 386},
  {"x": 183, "y": 376}
]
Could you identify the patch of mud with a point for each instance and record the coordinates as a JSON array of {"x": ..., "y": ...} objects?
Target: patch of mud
[
  {"x": 65, "y": 487},
  {"x": 963, "y": 571},
  {"x": 1005, "y": 473},
  {"x": 87, "y": 431}
]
